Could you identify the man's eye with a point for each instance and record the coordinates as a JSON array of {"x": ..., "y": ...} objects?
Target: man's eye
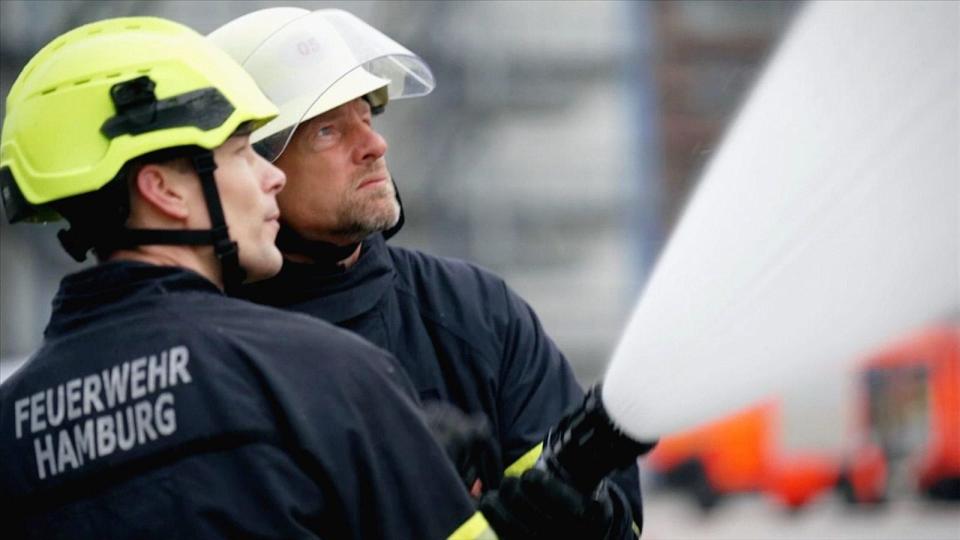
[{"x": 324, "y": 137}]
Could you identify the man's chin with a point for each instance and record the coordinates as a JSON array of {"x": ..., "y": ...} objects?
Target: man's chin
[
  {"x": 381, "y": 218},
  {"x": 266, "y": 268},
  {"x": 394, "y": 217}
]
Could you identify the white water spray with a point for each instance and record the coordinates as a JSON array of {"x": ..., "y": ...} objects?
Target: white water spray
[{"x": 826, "y": 223}]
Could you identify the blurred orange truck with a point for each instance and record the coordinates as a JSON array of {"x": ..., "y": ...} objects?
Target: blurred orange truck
[{"x": 907, "y": 431}]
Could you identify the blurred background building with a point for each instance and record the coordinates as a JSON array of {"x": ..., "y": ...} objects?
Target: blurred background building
[{"x": 557, "y": 150}]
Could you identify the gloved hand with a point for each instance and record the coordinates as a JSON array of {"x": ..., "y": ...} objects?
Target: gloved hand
[
  {"x": 468, "y": 441},
  {"x": 537, "y": 505}
]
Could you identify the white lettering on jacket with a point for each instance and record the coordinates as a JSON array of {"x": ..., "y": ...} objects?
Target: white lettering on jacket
[{"x": 117, "y": 409}]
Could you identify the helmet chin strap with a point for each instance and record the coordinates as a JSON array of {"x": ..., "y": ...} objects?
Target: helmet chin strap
[
  {"x": 226, "y": 250},
  {"x": 217, "y": 235},
  {"x": 326, "y": 255}
]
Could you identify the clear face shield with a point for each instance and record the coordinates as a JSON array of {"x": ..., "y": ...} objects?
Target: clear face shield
[{"x": 323, "y": 59}]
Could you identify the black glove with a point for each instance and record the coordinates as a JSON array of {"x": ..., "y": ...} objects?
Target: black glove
[
  {"x": 468, "y": 441},
  {"x": 537, "y": 505}
]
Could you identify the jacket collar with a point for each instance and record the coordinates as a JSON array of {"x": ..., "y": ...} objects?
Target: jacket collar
[
  {"x": 92, "y": 293},
  {"x": 333, "y": 295}
]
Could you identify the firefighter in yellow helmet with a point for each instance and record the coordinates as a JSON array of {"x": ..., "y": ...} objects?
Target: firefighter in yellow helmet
[{"x": 156, "y": 406}]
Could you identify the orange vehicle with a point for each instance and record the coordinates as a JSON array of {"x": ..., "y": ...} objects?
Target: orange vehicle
[
  {"x": 908, "y": 426},
  {"x": 907, "y": 435},
  {"x": 726, "y": 456},
  {"x": 739, "y": 454}
]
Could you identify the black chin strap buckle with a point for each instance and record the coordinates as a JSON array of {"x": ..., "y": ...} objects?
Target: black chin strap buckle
[
  {"x": 222, "y": 245},
  {"x": 228, "y": 253}
]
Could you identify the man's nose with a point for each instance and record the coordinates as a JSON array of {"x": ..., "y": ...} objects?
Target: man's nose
[
  {"x": 371, "y": 146},
  {"x": 273, "y": 177}
]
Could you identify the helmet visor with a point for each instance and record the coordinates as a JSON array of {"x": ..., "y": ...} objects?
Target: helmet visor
[{"x": 322, "y": 60}]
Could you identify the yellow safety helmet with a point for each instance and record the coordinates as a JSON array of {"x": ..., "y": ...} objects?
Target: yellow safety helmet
[{"x": 107, "y": 92}]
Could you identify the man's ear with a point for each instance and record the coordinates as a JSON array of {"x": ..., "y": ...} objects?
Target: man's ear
[{"x": 162, "y": 188}]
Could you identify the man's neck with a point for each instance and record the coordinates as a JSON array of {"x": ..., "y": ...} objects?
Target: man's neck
[
  {"x": 344, "y": 263},
  {"x": 198, "y": 259}
]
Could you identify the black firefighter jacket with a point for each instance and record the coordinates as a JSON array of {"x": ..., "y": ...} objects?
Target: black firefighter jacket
[
  {"x": 159, "y": 408},
  {"x": 462, "y": 335}
]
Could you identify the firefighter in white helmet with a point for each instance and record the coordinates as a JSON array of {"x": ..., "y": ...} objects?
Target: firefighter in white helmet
[{"x": 464, "y": 337}]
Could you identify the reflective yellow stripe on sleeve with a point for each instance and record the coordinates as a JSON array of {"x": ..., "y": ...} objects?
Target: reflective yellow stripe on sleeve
[
  {"x": 475, "y": 528},
  {"x": 525, "y": 462}
]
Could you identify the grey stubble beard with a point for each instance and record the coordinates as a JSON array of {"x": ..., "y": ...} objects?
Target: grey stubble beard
[{"x": 361, "y": 217}]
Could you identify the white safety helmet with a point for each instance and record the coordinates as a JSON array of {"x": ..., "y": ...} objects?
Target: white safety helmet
[{"x": 308, "y": 63}]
